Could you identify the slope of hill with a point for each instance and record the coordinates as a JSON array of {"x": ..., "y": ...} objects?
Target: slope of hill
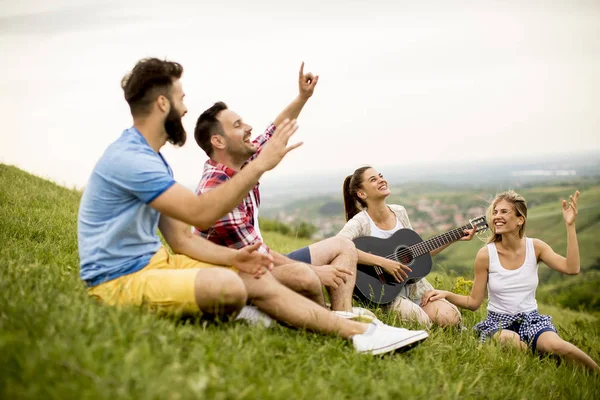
[{"x": 57, "y": 343}]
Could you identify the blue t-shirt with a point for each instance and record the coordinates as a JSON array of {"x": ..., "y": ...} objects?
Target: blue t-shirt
[{"x": 117, "y": 229}]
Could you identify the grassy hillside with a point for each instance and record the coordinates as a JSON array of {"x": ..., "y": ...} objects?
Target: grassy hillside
[{"x": 56, "y": 343}]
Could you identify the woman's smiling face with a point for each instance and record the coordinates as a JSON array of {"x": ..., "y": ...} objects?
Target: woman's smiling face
[{"x": 374, "y": 185}]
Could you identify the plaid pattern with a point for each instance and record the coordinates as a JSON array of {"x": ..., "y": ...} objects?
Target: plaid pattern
[
  {"x": 527, "y": 324},
  {"x": 235, "y": 229}
]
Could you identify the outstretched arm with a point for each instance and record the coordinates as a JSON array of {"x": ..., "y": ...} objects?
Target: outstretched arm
[
  {"x": 306, "y": 87},
  {"x": 468, "y": 235},
  {"x": 473, "y": 301},
  {"x": 203, "y": 211},
  {"x": 182, "y": 241},
  {"x": 570, "y": 264}
]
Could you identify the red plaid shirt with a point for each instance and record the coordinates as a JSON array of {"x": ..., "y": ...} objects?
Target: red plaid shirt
[{"x": 236, "y": 229}]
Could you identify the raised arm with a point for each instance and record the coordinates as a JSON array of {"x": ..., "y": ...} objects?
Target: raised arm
[
  {"x": 306, "y": 87},
  {"x": 203, "y": 211},
  {"x": 468, "y": 235},
  {"x": 473, "y": 301},
  {"x": 182, "y": 241},
  {"x": 567, "y": 265}
]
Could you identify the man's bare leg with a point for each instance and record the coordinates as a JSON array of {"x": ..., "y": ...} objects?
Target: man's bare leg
[
  {"x": 285, "y": 305},
  {"x": 301, "y": 279},
  {"x": 337, "y": 252},
  {"x": 219, "y": 291}
]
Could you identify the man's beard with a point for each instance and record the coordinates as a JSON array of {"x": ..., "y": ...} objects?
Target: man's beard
[
  {"x": 174, "y": 127},
  {"x": 239, "y": 153}
]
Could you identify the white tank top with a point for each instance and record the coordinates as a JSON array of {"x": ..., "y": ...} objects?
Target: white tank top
[
  {"x": 380, "y": 233},
  {"x": 512, "y": 291}
]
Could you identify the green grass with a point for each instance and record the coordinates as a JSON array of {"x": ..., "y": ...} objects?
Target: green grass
[{"x": 56, "y": 343}]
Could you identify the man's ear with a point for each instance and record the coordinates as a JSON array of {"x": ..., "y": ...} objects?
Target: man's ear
[
  {"x": 164, "y": 104},
  {"x": 217, "y": 141}
]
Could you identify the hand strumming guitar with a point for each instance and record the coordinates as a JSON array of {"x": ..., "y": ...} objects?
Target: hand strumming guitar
[{"x": 396, "y": 269}]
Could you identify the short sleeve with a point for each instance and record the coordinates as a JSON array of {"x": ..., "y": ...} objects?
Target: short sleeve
[
  {"x": 144, "y": 174},
  {"x": 211, "y": 178}
]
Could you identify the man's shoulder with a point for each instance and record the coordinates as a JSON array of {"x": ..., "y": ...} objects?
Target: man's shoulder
[
  {"x": 211, "y": 177},
  {"x": 127, "y": 149},
  {"x": 130, "y": 161}
]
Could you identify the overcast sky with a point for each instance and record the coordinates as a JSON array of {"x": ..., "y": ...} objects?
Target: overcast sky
[{"x": 400, "y": 81}]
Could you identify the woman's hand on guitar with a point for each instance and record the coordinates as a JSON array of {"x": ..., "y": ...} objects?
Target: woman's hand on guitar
[
  {"x": 433, "y": 295},
  {"x": 397, "y": 270},
  {"x": 469, "y": 233},
  {"x": 331, "y": 276}
]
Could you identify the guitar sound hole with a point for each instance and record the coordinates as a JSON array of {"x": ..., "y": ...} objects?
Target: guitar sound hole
[{"x": 404, "y": 255}]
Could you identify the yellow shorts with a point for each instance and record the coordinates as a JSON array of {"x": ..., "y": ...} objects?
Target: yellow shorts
[{"x": 165, "y": 285}]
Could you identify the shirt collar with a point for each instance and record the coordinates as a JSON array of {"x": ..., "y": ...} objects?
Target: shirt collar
[{"x": 229, "y": 171}]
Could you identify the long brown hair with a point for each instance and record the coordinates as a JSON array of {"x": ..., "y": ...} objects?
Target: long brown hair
[
  {"x": 518, "y": 203},
  {"x": 352, "y": 184}
]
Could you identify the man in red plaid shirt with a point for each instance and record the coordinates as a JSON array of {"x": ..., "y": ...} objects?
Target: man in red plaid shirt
[{"x": 225, "y": 138}]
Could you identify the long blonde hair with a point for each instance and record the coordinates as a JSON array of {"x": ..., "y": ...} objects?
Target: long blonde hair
[{"x": 520, "y": 206}]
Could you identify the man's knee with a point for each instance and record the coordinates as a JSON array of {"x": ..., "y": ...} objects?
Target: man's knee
[
  {"x": 299, "y": 277},
  {"x": 306, "y": 281},
  {"x": 220, "y": 287},
  {"x": 345, "y": 243},
  {"x": 347, "y": 247}
]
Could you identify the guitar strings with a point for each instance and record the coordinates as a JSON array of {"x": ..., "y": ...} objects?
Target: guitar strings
[{"x": 407, "y": 252}]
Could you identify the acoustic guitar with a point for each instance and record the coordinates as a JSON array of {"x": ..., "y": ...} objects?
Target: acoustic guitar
[{"x": 374, "y": 285}]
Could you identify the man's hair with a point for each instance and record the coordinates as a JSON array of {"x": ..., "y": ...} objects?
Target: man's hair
[
  {"x": 149, "y": 79},
  {"x": 208, "y": 125}
]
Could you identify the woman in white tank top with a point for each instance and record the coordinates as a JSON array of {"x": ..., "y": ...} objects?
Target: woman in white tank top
[
  {"x": 368, "y": 188},
  {"x": 508, "y": 267}
]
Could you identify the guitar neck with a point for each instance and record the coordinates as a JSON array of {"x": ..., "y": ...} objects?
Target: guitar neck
[{"x": 436, "y": 242}]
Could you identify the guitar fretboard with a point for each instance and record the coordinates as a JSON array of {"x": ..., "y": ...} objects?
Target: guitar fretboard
[{"x": 438, "y": 241}]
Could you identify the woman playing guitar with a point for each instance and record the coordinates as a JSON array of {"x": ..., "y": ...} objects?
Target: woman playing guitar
[{"x": 367, "y": 214}]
